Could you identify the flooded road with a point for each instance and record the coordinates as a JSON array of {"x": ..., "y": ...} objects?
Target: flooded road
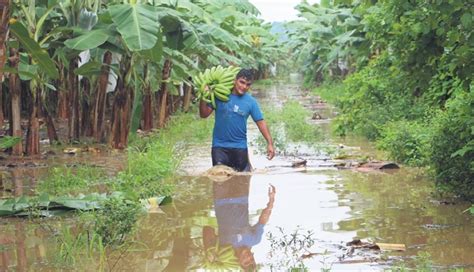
[{"x": 280, "y": 217}]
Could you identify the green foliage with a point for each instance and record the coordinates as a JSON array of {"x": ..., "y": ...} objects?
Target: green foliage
[
  {"x": 453, "y": 146},
  {"x": 289, "y": 124},
  {"x": 327, "y": 42},
  {"x": 64, "y": 180},
  {"x": 412, "y": 91},
  {"x": 406, "y": 142},
  {"x": 34, "y": 49},
  {"x": 116, "y": 220},
  {"x": 154, "y": 158},
  {"x": 77, "y": 248},
  {"x": 9, "y": 141},
  {"x": 374, "y": 96},
  {"x": 98, "y": 234},
  {"x": 295, "y": 119},
  {"x": 330, "y": 91}
]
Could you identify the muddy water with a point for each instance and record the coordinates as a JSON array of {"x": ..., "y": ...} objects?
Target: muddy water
[{"x": 315, "y": 211}]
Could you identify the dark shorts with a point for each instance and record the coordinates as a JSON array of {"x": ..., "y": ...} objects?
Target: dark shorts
[{"x": 237, "y": 158}]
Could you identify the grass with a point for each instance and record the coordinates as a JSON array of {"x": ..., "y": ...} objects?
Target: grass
[
  {"x": 67, "y": 180},
  {"x": 289, "y": 125},
  {"x": 151, "y": 163},
  {"x": 330, "y": 91}
]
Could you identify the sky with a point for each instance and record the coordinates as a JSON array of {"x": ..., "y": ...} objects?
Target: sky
[{"x": 278, "y": 10}]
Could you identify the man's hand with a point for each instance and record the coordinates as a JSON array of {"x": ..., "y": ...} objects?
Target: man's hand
[
  {"x": 270, "y": 151},
  {"x": 262, "y": 126},
  {"x": 271, "y": 195}
]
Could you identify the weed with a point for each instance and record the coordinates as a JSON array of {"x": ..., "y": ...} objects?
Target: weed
[
  {"x": 64, "y": 180},
  {"x": 287, "y": 249}
]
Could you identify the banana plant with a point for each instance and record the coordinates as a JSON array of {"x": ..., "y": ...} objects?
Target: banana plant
[
  {"x": 333, "y": 34},
  {"x": 35, "y": 65}
]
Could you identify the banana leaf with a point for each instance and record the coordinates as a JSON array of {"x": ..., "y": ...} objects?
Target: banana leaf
[
  {"x": 88, "y": 40},
  {"x": 34, "y": 49},
  {"x": 45, "y": 205},
  {"x": 138, "y": 25}
]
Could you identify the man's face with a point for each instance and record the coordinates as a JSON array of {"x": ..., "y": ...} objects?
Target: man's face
[
  {"x": 242, "y": 85},
  {"x": 247, "y": 260}
]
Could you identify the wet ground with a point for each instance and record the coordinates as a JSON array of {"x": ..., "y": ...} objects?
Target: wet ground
[{"x": 284, "y": 217}]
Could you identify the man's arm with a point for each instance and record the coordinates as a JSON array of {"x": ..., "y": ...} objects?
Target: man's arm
[
  {"x": 265, "y": 216},
  {"x": 262, "y": 126},
  {"x": 204, "y": 109}
]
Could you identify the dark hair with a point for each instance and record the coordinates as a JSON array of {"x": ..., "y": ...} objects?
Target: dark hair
[{"x": 245, "y": 73}]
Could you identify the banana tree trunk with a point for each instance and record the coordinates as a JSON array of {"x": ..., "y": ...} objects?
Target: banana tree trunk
[
  {"x": 63, "y": 108},
  {"x": 52, "y": 135},
  {"x": 147, "y": 110},
  {"x": 15, "y": 91},
  {"x": 100, "y": 99},
  {"x": 147, "y": 105},
  {"x": 32, "y": 136},
  {"x": 74, "y": 118},
  {"x": 86, "y": 125},
  {"x": 163, "y": 98},
  {"x": 121, "y": 109},
  {"x": 187, "y": 97},
  {"x": 2, "y": 117}
]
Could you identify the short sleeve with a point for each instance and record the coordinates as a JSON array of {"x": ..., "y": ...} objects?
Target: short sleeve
[{"x": 255, "y": 112}]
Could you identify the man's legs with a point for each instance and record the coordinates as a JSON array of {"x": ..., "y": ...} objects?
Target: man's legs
[{"x": 236, "y": 158}]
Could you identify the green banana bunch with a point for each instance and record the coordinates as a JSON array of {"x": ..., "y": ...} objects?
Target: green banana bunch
[
  {"x": 220, "y": 259},
  {"x": 216, "y": 82}
]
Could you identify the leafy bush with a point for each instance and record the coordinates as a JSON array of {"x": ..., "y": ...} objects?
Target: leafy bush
[
  {"x": 406, "y": 142},
  {"x": 116, "y": 220},
  {"x": 373, "y": 97},
  {"x": 452, "y": 144}
]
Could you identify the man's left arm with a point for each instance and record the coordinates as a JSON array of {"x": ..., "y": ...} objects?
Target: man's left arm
[{"x": 262, "y": 126}]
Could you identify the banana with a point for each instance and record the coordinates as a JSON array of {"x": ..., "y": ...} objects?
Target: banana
[
  {"x": 213, "y": 100},
  {"x": 215, "y": 83},
  {"x": 222, "y": 89},
  {"x": 220, "y": 96}
]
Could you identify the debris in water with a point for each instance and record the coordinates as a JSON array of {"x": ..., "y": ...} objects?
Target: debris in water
[{"x": 300, "y": 163}]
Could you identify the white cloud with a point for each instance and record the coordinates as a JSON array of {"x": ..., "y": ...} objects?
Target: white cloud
[{"x": 278, "y": 10}]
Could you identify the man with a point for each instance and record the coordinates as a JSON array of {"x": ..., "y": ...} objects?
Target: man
[{"x": 229, "y": 141}]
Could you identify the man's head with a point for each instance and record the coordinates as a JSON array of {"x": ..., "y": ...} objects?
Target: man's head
[
  {"x": 246, "y": 259},
  {"x": 243, "y": 81}
]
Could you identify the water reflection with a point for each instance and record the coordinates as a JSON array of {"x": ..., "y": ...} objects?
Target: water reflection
[{"x": 231, "y": 204}]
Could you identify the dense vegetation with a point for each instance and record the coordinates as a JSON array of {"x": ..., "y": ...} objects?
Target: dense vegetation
[
  {"x": 406, "y": 69},
  {"x": 111, "y": 67}
]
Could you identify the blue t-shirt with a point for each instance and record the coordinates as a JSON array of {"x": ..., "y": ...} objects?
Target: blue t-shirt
[
  {"x": 233, "y": 220},
  {"x": 230, "y": 126}
]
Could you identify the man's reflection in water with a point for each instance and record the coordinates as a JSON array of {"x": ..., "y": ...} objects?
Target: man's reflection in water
[{"x": 231, "y": 203}]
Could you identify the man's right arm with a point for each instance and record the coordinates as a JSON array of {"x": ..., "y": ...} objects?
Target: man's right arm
[{"x": 204, "y": 109}]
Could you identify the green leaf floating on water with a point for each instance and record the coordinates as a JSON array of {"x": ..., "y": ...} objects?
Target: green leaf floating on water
[{"x": 45, "y": 205}]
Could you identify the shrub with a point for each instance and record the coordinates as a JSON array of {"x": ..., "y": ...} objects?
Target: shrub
[
  {"x": 452, "y": 144},
  {"x": 406, "y": 142}
]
